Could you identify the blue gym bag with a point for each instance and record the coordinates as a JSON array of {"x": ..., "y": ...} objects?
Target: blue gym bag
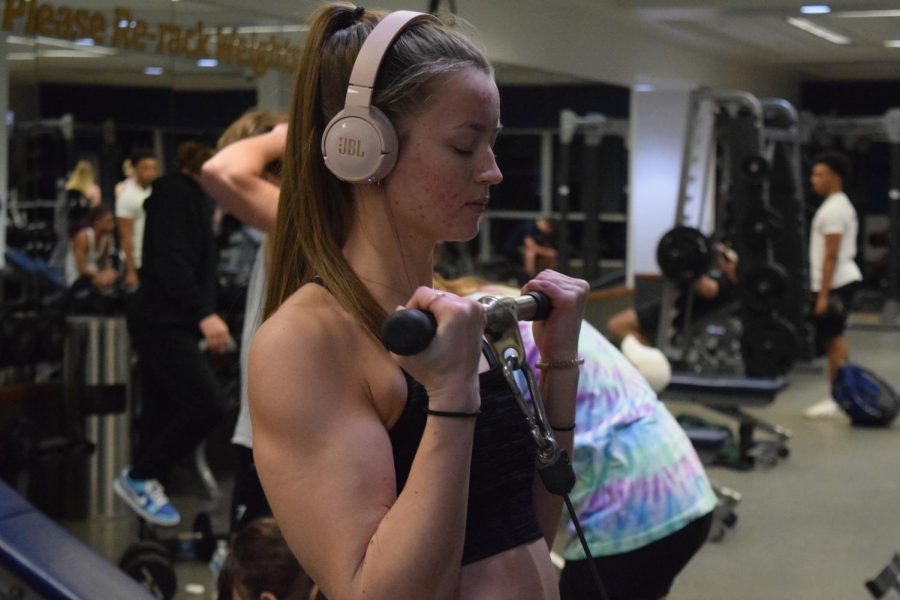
[{"x": 866, "y": 398}]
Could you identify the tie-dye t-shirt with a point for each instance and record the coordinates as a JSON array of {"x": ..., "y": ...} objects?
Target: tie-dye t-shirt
[{"x": 638, "y": 478}]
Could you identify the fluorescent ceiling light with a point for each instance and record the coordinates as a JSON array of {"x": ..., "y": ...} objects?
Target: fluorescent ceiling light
[
  {"x": 250, "y": 29},
  {"x": 50, "y": 54},
  {"x": 815, "y": 9},
  {"x": 55, "y": 43},
  {"x": 273, "y": 28},
  {"x": 153, "y": 70},
  {"x": 825, "y": 34},
  {"x": 644, "y": 87},
  {"x": 867, "y": 14},
  {"x": 207, "y": 63},
  {"x": 892, "y": 44}
]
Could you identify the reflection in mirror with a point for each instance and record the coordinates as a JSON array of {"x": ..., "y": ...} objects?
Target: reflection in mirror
[
  {"x": 91, "y": 81},
  {"x": 136, "y": 74},
  {"x": 149, "y": 74}
]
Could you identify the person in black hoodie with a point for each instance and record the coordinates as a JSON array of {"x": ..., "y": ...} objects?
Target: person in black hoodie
[{"x": 172, "y": 312}]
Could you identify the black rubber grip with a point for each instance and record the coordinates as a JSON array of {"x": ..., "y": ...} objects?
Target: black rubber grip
[
  {"x": 542, "y": 311},
  {"x": 408, "y": 331}
]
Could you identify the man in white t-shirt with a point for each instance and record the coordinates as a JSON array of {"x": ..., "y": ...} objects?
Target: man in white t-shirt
[
  {"x": 130, "y": 213},
  {"x": 834, "y": 275}
]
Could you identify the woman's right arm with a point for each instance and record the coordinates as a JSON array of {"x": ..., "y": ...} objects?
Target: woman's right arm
[
  {"x": 234, "y": 177},
  {"x": 325, "y": 460}
]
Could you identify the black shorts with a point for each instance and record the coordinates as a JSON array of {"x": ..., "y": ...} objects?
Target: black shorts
[
  {"x": 834, "y": 322},
  {"x": 648, "y": 318},
  {"x": 648, "y": 314},
  {"x": 643, "y": 574}
]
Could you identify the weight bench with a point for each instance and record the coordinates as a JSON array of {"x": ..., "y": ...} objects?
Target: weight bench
[
  {"x": 729, "y": 395},
  {"x": 886, "y": 580},
  {"x": 709, "y": 442},
  {"x": 36, "y": 267},
  {"x": 39, "y": 559}
]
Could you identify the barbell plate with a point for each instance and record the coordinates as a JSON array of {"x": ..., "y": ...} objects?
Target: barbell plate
[
  {"x": 769, "y": 346},
  {"x": 684, "y": 254},
  {"x": 763, "y": 287}
]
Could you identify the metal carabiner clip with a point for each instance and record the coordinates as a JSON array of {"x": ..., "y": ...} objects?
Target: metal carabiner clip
[{"x": 506, "y": 343}]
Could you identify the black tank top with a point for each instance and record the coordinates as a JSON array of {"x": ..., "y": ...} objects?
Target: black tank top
[
  {"x": 78, "y": 211},
  {"x": 500, "y": 511}
]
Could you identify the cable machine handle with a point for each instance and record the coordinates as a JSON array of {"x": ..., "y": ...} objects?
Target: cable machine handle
[{"x": 409, "y": 331}]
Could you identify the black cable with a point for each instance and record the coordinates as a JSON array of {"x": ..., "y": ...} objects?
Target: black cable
[{"x": 587, "y": 551}]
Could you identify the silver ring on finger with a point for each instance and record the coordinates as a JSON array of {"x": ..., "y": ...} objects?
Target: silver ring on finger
[{"x": 435, "y": 298}]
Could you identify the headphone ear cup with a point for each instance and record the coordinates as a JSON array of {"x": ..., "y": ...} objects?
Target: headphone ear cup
[{"x": 359, "y": 145}]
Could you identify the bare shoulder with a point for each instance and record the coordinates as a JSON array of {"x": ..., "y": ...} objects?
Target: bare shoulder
[
  {"x": 312, "y": 361},
  {"x": 309, "y": 333},
  {"x": 309, "y": 356},
  {"x": 80, "y": 240},
  {"x": 308, "y": 323},
  {"x": 314, "y": 414}
]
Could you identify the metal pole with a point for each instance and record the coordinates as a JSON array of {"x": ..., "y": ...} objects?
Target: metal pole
[
  {"x": 4, "y": 153},
  {"x": 562, "y": 197},
  {"x": 590, "y": 189},
  {"x": 890, "y": 310}
]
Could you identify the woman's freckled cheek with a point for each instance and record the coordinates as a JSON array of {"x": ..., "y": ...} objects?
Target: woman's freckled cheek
[{"x": 445, "y": 199}]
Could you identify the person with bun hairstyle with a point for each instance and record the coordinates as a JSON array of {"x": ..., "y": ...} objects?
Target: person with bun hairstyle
[{"x": 389, "y": 476}]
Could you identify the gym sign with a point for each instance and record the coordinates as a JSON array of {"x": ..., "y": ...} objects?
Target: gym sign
[{"x": 130, "y": 33}]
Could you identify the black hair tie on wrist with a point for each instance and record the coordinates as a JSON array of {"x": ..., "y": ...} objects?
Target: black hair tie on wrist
[
  {"x": 452, "y": 414},
  {"x": 566, "y": 428}
]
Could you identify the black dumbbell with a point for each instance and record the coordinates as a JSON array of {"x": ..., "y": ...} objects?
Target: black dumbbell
[
  {"x": 835, "y": 309},
  {"x": 199, "y": 543},
  {"x": 150, "y": 563}
]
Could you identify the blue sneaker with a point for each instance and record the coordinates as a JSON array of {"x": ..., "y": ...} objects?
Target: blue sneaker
[{"x": 147, "y": 498}]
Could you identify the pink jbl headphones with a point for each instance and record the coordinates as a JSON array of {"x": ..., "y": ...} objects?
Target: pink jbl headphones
[{"x": 360, "y": 143}]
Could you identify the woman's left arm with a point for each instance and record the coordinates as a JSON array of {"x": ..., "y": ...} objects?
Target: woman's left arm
[{"x": 557, "y": 341}]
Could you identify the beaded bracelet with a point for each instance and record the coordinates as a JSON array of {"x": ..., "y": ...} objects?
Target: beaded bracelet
[
  {"x": 559, "y": 364},
  {"x": 454, "y": 415}
]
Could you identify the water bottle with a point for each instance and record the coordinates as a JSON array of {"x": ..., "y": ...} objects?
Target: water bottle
[{"x": 215, "y": 565}]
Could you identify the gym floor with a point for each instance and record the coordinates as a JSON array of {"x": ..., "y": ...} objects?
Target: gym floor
[
  {"x": 816, "y": 526},
  {"x": 821, "y": 522}
]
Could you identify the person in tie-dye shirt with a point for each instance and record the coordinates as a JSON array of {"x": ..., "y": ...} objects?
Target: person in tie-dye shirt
[{"x": 642, "y": 496}]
